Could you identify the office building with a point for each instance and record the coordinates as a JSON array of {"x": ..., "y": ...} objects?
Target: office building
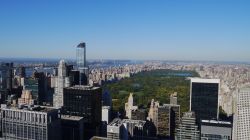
[
  {"x": 42, "y": 87},
  {"x": 166, "y": 118},
  {"x": 22, "y": 72},
  {"x": 32, "y": 85},
  {"x": 72, "y": 127},
  {"x": 106, "y": 112},
  {"x": 241, "y": 122},
  {"x": 74, "y": 77},
  {"x": 129, "y": 106},
  {"x": 216, "y": 130},
  {"x": 153, "y": 113},
  {"x": 136, "y": 129},
  {"x": 26, "y": 98},
  {"x": 6, "y": 76},
  {"x": 188, "y": 128},
  {"x": 82, "y": 63},
  {"x": 174, "y": 118},
  {"x": 84, "y": 101},
  {"x": 128, "y": 129},
  {"x": 116, "y": 130},
  {"x": 40, "y": 123},
  {"x": 204, "y": 98},
  {"x": 59, "y": 82},
  {"x": 173, "y": 98}
]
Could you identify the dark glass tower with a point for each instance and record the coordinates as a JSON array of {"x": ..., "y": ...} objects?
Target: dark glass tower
[
  {"x": 81, "y": 63},
  {"x": 86, "y": 102},
  {"x": 204, "y": 98}
]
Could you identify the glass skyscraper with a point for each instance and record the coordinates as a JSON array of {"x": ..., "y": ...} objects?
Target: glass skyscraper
[{"x": 204, "y": 98}]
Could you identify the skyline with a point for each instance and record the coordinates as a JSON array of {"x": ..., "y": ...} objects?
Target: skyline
[{"x": 148, "y": 30}]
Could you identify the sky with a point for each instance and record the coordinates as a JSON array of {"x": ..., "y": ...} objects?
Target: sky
[{"x": 216, "y": 30}]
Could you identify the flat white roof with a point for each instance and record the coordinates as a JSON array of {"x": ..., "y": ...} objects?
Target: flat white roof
[
  {"x": 200, "y": 80},
  {"x": 215, "y": 122}
]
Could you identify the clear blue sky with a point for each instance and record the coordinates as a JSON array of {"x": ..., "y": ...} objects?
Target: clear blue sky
[{"x": 126, "y": 29}]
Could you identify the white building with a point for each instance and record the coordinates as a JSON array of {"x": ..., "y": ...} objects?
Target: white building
[
  {"x": 241, "y": 125},
  {"x": 59, "y": 82},
  {"x": 106, "y": 114},
  {"x": 129, "y": 106}
]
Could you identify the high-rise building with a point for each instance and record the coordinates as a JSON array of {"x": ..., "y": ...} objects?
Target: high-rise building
[
  {"x": 127, "y": 129},
  {"x": 166, "y": 118},
  {"x": 6, "y": 76},
  {"x": 40, "y": 123},
  {"x": 106, "y": 114},
  {"x": 216, "y": 130},
  {"x": 204, "y": 98},
  {"x": 241, "y": 122},
  {"x": 42, "y": 87},
  {"x": 153, "y": 112},
  {"x": 22, "y": 72},
  {"x": 136, "y": 129},
  {"x": 6, "y": 81},
  {"x": 26, "y": 98},
  {"x": 188, "y": 128},
  {"x": 84, "y": 101},
  {"x": 129, "y": 106},
  {"x": 164, "y": 121},
  {"x": 173, "y": 98},
  {"x": 116, "y": 130},
  {"x": 59, "y": 82},
  {"x": 82, "y": 63},
  {"x": 72, "y": 127}
]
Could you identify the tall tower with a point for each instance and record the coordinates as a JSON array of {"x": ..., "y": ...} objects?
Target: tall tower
[
  {"x": 81, "y": 63},
  {"x": 61, "y": 81},
  {"x": 241, "y": 126},
  {"x": 129, "y": 106},
  {"x": 204, "y": 94}
]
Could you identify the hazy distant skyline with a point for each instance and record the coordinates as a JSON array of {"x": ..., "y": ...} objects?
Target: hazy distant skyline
[{"x": 217, "y": 30}]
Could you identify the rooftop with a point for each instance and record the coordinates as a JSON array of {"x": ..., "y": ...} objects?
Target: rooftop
[
  {"x": 201, "y": 80},
  {"x": 215, "y": 122},
  {"x": 82, "y": 87},
  {"x": 28, "y": 108},
  {"x": 81, "y": 45},
  {"x": 116, "y": 122},
  {"x": 139, "y": 123},
  {"x": 73, "y": 118}
]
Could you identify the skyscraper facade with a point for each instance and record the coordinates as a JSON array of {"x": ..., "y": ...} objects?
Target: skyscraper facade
[
  {"x": 82, "y": 63},
  {"x": 129, "y": 106},
  {"x": 188, "y": 128},
  {"x": 204, "y": 98},
  {"x": 241, "y": 123},
  {"x": 59, "y": 82},
  {"x": 216, "y": 130},
  {"x": 39, "y": 123},
  {"x": 84, "y": 101}
]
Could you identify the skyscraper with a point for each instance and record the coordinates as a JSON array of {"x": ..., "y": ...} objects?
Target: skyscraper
[
  {"x": 188, "y": 128},
  {"x": 204, "y": 98},
  {"x": 241, "y": 123},
  {"x": 129, "y": 106},
  {"x": 59, "y": 82},
  {"x": 82, "y": 63},
  {"x": 84, "y": 101},
  {"x": 40, "y": 123},
  {"x": 6, "y": 76}
]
